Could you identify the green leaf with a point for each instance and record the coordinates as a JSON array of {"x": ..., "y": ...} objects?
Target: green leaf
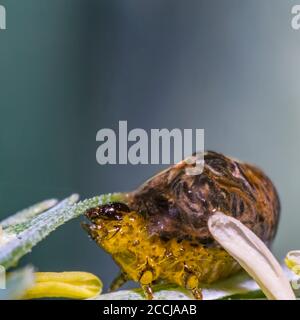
[
  {"x": 24, "y": 230},
  {"x": 28, "y": 213}
]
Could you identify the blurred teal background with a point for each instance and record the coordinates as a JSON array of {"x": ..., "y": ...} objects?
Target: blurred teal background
[{"x": 71, "y": 67}]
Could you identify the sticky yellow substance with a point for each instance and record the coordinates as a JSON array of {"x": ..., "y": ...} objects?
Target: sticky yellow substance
[{"x": 146, "y": 259}]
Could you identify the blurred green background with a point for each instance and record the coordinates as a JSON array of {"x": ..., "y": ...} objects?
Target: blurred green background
[{"x": 71, "y": 67}]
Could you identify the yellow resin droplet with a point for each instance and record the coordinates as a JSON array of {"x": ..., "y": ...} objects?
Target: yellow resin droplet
[
  {"x": 192, "y": 282},
  {"x": 146, "y": 278}
]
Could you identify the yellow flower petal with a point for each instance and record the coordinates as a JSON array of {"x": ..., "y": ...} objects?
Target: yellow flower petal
[
  {"x": 292, "y": 260},
  {"x": 72, "y": 285}
]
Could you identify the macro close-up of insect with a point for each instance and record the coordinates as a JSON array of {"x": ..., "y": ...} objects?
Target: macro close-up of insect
[
  {"x": 148, "y": 155},
  {"x": 160, "y": 234}
]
